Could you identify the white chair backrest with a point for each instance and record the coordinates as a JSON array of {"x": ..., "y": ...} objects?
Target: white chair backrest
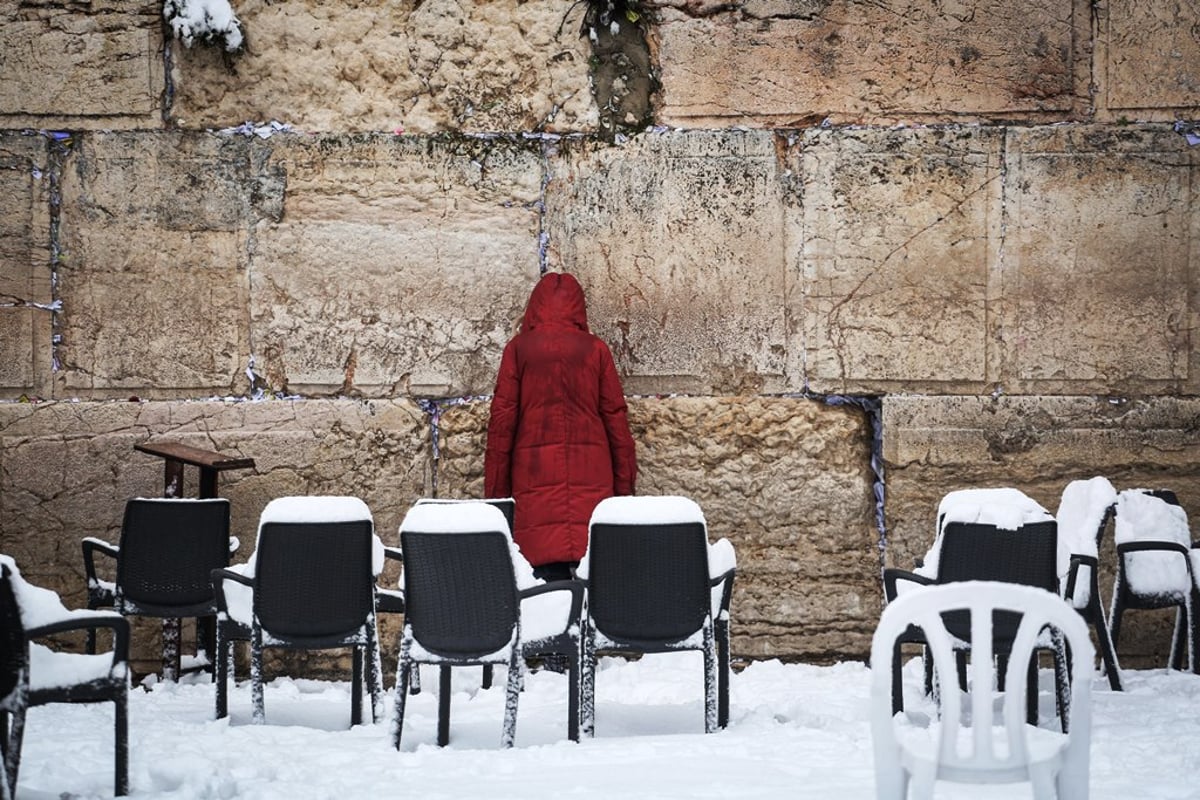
[
  {"x": 979, "y": 753},
  {"x": 1144, "y": 517}
]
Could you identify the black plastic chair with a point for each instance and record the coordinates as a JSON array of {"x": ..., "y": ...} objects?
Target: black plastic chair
[
  {"x": 650, "y": 591},
  {"x": 166, "y": 556},
  {"x": 21, "y": 688},
  {"x": 1093, "y": 610},
  {"x": 464, "y": 609},
  {"x": 1171, "y": 548},
  {"x": 980, "y": 552},
  {"x": 313, "y": 588}
]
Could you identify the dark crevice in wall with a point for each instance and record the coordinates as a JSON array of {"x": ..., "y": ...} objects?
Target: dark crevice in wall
[
  {"x": 168, "y": 92},
  {"x": 623, "y": 77},
  {"x": 59, "y": 147}
]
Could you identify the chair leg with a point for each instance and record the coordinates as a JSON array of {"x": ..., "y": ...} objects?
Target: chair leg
[
  {"x": 356, "y": 685},
  {"x": 587, "y": 685},
  {"x": 722, "y": 673},
  {"x": 171, "y": 634},
  {"x": 443, "y": 733},
  {"x": 1179, "y": 640},
  {"x": 375, "y": 676},
  {"x": 1108, "y": 653},
  {"x": 1116, "y": 611},
  {"x": 1031, "y": 692},
  {"x": 221, "y": 672},
  {"x": 710, "y": 682},
  {"x": 897, "y": 679},
  {"x": 403, "y": 670},
  {"x": 1062, "y": 685},
  {"x": 121, "y": 735},
  {"x": 258, "y": 713},
  {"x": 512, "y": 697},
  {"x": 12, "y": 754},
  {"x": 573, "y": 678},
  {"x": 487, "y": 676}
]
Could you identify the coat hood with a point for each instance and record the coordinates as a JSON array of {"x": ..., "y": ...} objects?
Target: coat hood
[{"x": 557, "y": 299}]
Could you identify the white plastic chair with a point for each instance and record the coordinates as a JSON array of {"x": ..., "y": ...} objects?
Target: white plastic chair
[{"x": 977, "y": 747}]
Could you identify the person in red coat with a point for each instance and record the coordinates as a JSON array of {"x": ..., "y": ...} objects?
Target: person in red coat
[{"x": 558, "y": 440}]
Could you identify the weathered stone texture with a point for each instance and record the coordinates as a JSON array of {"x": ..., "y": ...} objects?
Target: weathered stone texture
[
  {"x": 792, "y": 63},
  {"x": 466, "y": 65},
  {"x": 899, "y": 233},
  {"x": 153, "y": 279},
  {"x": 66, "y": 470},
  {"x": 787, "y": 480},
  {"x": 399, "y": 265},
  {"x": 1150, "y": 53},
  {"x": 1105, "y": 220},
  {"x": 80, "y": 65},
  {"x": 676, "y": 240},
  {"x": 25, "y": 291},
  {"x": 934, "y": 445}
]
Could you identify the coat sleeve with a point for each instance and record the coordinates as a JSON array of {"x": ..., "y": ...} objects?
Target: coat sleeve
[
  {"x": 616, "y": 425},
  {"x": 502, "y": 428}
]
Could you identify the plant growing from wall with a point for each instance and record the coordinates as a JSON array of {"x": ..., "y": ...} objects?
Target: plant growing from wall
[{"x": 210, "y": 22}]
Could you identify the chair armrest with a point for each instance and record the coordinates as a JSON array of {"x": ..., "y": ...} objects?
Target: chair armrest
[
  {"x": 90, "y": 621},
  {"x": 892, "y": 575},
  {"x": 1079, "y": 562},
  {"x": 725, "y": 581},
  {"x": 91, "y": 546},
  {"x": 574, "y": 586},
  {"x": 1151, "y": 545},
  {"x": 218, "y": 578},
  {"x": 393, "y": 554}
]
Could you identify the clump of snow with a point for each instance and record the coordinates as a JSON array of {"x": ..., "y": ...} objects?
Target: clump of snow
[
  {"x": 647, "y": 510},
  {"x": 206, "y": 21},
  {"x": 1144, "y": 517}
]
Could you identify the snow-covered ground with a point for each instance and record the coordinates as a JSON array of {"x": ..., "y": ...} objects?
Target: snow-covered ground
[{"x": 796, "y": 731}]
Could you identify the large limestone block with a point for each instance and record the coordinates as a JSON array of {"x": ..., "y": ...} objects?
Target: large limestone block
[
  {"x": 154, "y": 279},
  {"x": 420, "y": 65},
  {"x": 81, "y": 65},
  {"x": 1104, "y": 220},
  {"x": 25, "y": 291},
  {"x": 787, "y": 480},
  {"x": 899, "y": 233},
  {"x": 934, "y": 445},
  {"x": 399, "y": 265},
  {"x": 789, "y": 63},
  {"x": 676, "y": 238},
  {"x": 66, "y": 470},
  {"x": 1149, "y": 57}
]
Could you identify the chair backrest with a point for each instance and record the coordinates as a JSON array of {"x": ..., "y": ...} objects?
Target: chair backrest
[
  {"x": 979, "y": 752},
  {"x": 314, "y": 579},
  {"x": 14, "y": 657},
  {"x": 506, "y": 505},
  {"x": 169, "y": 549},
  {"x": 460, "y": 591},
  {"x": 648, "y": 581},
  {"x": 1153, "y": 515},
  {"x": 978, "y": 552}
]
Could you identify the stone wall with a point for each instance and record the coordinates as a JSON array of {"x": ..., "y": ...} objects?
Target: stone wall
[{"x": 976, "y": 219}]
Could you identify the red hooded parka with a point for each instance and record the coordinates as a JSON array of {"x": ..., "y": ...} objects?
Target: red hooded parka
[{"x": 558, "y": 439}]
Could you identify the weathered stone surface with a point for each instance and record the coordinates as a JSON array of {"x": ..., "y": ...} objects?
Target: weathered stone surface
[
  {"x": 899, "y": 234},
  {"x": 933, "y": 445},
  {"x": 676, "y": 238},
  {"x": 399, "y": 264},
  {"x": 25, "y": 293},
  {"x": 1150, "y": 53},
  {"x": 466, "y": 65},
  {"x": 788, "y": 64},
  {"x": 66, "y": 470},
  {"x": 1105, "y": 221},
  {"x": 80, "y": 65},
  {"x": 788, "y": 481},
  {"x": 153, "y": 281}
]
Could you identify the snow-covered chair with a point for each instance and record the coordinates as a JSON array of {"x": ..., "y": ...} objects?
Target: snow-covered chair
[
  {"x": 472, "y": 600},
  {"x": 167, "y": 552},
  {"x": 984, "y": 534},
  {"x": 656, "y": 585},
  {"x": 1083, "y": 515},
  {"x": 33, "y": 675},
  {"x": 1154, "y": 567},
  {"x": 310, "y": 585},
  {"x": 985, "y": 749}
]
